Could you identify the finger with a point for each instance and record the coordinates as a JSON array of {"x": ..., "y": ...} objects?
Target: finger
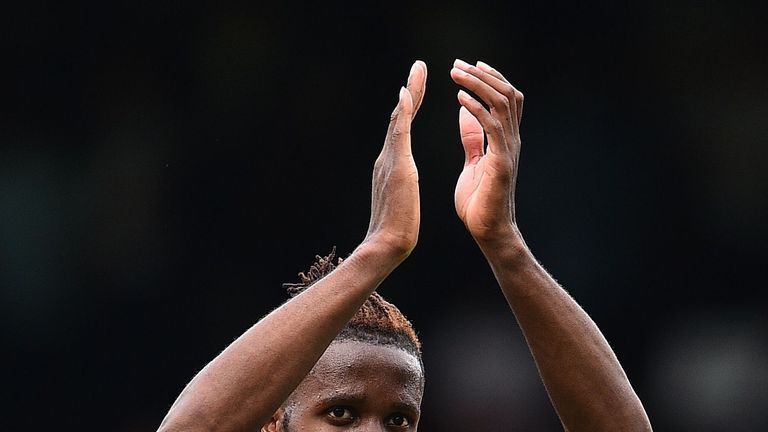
[
  {"x": 488, "y": 68},
  {"x": 472, "y": 136},
  {"x": 491, "y": 125},
  {"x": 399, "y": 131},
  {"x": 417, "y": 82},
  {"x": 499, "y": 84},
  {"x": 501, "y": 106},
  {"x": 518, "y": 95},
  {"x": 495, "y": 80}
]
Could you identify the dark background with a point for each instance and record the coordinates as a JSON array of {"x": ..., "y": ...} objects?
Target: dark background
[{"x": 165, "y": 167}]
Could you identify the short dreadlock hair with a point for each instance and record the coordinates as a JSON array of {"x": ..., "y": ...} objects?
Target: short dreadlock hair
[{"x": 378, "y": 321}]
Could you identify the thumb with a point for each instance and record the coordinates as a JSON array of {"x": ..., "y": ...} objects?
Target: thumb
[
  {"x": 399, "y": 131},
  {"x": 472, "y": 136}
]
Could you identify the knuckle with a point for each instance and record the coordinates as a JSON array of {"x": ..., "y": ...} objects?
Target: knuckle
[
  {"x": 497, "y": 128},
  {"x": 509, "y": 92},
  {"x": 501, "y": 102}
]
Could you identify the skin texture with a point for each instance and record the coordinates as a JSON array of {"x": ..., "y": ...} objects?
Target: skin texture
[
  {"x": 244, "y": 386},
  {"x": 356, "y": 385},
  {"x": 287, "y": 362},
  {"x": 580, "y": 371}
]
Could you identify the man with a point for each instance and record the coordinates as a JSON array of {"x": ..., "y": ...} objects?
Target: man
[{"x": 338, "y": 356}]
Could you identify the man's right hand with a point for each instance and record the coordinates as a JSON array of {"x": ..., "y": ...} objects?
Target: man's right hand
[{"x": 394, "y": 224}]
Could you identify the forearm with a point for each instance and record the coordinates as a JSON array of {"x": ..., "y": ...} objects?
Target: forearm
[
  {"x": 246, "y": 383},
  {"x": 580, "y": 371},
  {"x": 242, "y": 387}
]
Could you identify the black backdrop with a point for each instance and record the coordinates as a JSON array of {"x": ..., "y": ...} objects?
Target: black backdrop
[{"x": 166, "y": 166}]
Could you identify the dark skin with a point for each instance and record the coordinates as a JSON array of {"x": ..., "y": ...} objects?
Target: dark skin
[
  {"x": 356, "y": 384},
  {"x": 283, "y": 364},
  {"x": 243, "y": 387},
  {"x": 590, "y": 390}
]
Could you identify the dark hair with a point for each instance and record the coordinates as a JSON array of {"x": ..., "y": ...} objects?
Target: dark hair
[{"x": 377, "y": 321}]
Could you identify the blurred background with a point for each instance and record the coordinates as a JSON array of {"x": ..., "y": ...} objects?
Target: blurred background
[{"x": 166, "y": 166}]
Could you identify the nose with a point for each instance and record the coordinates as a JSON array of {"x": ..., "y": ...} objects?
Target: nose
[{"x": 371, "y": 425}]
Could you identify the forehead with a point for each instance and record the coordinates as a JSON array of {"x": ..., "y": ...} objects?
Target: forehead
[
  {"x": 365, "y": 370},
  {"x": 352, "y": 359}
]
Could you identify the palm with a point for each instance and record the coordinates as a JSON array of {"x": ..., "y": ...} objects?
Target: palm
[{"x": 483, "y": 195}]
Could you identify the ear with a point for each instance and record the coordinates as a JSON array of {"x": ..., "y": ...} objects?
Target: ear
[{"x": 275, "y": 423}]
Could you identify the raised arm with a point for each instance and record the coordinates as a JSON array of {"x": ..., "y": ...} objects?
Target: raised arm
[
  {"x": 242, "y": 387},
  {"x": 580, "y": 371}
]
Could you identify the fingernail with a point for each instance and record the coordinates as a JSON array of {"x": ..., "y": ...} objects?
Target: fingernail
[
  {"x": 461, "y": 72},
  {"x": 402, "y": 92},
  {"x": 484, "y": 65},
  {"x": 463, "y": 94},
  {"x": 461, "y": 64}
]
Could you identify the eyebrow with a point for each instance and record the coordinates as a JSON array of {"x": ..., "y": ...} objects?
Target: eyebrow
[
  {"x": 341, "y": 398},
  {"x": 357, "y": 398}
]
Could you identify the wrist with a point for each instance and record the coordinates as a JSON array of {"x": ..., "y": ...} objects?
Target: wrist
[
  {"x": 377, "y": 256},
  {"x": 506, "y": 246},
  {"x": 501, "y": 240}
]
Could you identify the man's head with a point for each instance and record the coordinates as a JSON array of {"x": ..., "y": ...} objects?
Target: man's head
[{"x": 371, "y": 377}]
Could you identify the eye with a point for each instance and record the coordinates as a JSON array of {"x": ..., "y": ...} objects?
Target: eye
[
  {"x": 341, "y": 415},
  {"x": 399, "y": 420}
]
